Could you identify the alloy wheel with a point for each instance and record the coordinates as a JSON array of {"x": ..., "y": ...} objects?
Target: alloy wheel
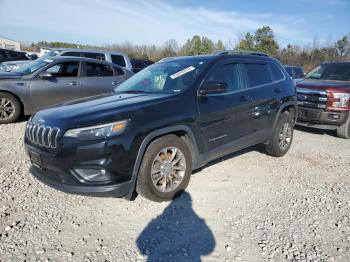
[
  {"x": 168, "y": 169},
  {"x": 7, "y": 109},
  {"x": 285, "y": 136}
]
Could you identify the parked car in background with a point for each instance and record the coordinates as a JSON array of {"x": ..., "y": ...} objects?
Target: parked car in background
[
  {"x": 324, "y": 98},
  {"x": 139, "y": 64},
  {"x": 44, "y": 83},
  {"x": 117, "y": 58},
  {"x": 11, "y": 55},
  {"x": 295, "y": 72},
  {"x": 170, "y": 118}
]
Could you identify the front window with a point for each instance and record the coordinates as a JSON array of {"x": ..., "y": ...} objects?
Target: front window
[
  {"x": 66, "y": 69},
  {"x": 340, "y": 72},
  {"x": 32, "y": 66},
  {"x": 166, "y": 77}
]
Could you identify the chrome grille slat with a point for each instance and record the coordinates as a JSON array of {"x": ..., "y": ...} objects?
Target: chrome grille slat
[
  {"x": 44, "y": 136},
  {"x": 312, "y": 98}
]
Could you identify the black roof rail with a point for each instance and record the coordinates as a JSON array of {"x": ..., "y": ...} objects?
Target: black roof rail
[{"x": 243, "y": 52}]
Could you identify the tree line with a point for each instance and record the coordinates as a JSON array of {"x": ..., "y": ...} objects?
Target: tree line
[{"x": 262, "y": 40}]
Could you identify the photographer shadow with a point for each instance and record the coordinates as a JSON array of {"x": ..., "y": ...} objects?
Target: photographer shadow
[{"x": 178, "y": 234}]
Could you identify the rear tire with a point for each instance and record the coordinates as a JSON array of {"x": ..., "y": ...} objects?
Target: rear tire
[
  {"x": 343, "y": 131},
  {"x": 282, "y": 136},
  {"x": 165, "y": 170},
  {"x": 10, "y": 108}
]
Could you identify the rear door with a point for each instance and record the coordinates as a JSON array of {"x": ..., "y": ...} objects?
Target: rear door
[
  {"x": 224, "y": 117},
  {"x": 264, "y": 80},
  {"x": 64, "y": 85},
  {"x": 100, "y": 78}
]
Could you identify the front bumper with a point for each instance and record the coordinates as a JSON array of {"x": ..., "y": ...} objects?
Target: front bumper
[
  {"x": 59, "y": 168},
  {"x": 313, "y": 116},
  {"x": 46, "y": 177}
]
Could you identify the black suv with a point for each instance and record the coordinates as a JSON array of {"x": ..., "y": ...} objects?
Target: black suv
[
  {"x": 171, "y": 118},
  {"x": 10, "y": 55}
]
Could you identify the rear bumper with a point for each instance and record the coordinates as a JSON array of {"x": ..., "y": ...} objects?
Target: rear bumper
[
  {"x": 313, "y": 116},
  {"x": 117, "y": 190}
]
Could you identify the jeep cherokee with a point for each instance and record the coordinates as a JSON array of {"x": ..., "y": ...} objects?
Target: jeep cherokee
[{"x": 160, "y": 124}]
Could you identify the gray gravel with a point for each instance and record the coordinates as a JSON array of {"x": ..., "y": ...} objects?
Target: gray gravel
[{"x": 246, "y": 207}]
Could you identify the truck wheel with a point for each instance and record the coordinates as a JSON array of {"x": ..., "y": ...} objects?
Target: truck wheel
[
  {"x": 343, "y": 131},
  {"x": 165, "y": 169},
  {"x": 282, "y": 136},
  {"x": 10, "y": 108}
]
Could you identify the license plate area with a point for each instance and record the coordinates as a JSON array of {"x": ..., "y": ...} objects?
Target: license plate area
[{"x": 35, "y": 159}]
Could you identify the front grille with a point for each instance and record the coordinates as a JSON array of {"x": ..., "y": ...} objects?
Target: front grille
[
  {"x": 312, "y": 98},
  {"x": 44, "y": 136}
]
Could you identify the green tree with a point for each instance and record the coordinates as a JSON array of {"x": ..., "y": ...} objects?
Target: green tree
[
  {"x": 247, "y": 43},
  {"x": 265, "y": 40},
  {"x": 343, "y": 46}
]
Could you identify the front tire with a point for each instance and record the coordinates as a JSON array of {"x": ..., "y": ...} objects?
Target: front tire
[
  {"x": 165, "y": 169},
  {"x": 10, "y": 108},
  {"x": 282, "y": 137},
  {"x": 343, "y": 131}
]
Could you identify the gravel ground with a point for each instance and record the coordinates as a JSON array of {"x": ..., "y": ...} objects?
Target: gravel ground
[{"x": 246, "y": 207}]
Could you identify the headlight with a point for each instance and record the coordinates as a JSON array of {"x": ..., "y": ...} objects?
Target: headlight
[
  {"x": 339, "y": 100},
  {"x": 9, "y": 68},
  {"x": 100, "y": 131}
]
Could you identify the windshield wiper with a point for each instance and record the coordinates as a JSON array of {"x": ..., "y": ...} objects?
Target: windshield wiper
[{"x": 132, "y": 92}]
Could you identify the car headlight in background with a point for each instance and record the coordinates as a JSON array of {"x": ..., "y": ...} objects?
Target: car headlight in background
[
  {"x": 8, "y": 68},
  {"x": 100, "y": 131}
]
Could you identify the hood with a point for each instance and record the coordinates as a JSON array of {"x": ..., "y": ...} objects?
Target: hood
[
  {"x": 9, "y": 75},
  {"x": 96, "y": 110},
  {"x": 326, "y": 85}
]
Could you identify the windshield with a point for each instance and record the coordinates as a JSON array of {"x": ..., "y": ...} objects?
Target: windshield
[
  {"x": 165, "y": 77},
  {"x": 340, "y": 72},
  {"x": 32, "y": 66}
]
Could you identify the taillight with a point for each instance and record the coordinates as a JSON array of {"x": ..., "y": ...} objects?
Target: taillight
[{"x": 338, "y": 100}]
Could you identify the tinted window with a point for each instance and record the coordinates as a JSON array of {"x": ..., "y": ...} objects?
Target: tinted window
[
  {"x": 14, "y": 54},
  {"x": 67, "y": 69},
  {"x": 2, "y": 54},
  {"x": 276, "y": 72},
  {"x": 339, "y": 71},
  {"x": 118, "y": 60},
  {"x": 71, "y": 54},
  {"x": 228, "y": 74},
  {"x": 289, "y": 71},
  {"x": 98, "y": 56},
  {"x": 298, "y": 72},
  {"x": 94, "y": 69},
  {"x": 258, "y": 74}
]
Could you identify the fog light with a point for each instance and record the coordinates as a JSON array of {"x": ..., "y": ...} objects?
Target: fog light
[
  {"x": 95, "y": 174},
  {"x": 335, "y": 116}
]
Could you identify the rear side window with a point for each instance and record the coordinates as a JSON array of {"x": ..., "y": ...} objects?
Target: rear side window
[
  {"x": 228, "y": 74},
  {"x": 118, "y": 60},
  {"x": 298, "y": 72},
  {"x": 276, "y": 72},
  {"x": 71, "y": 54},
  {"x": 14, "y": 54},
  {"x": 98, "y": 56},
  {"x": 67, "y": 69},
  {"x": 98, "y": 70},
  {"x": 258, "y": 74}
]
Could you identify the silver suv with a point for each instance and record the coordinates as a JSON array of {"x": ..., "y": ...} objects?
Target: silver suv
[{"x": 117, "y": 58}]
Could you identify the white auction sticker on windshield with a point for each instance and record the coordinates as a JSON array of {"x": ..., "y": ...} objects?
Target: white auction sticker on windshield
[{"x": 182, "y": 72}]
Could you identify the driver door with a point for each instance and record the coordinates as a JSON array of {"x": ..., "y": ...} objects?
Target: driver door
[{"x": 63, "y": 85}]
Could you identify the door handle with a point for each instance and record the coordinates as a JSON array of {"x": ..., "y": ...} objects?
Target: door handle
[
  {"x": 256, "y": 112},
  {"x": 73, "y": 83},
  {"x": 243, "y": 98},
  {"x": 277, "y": 90}
]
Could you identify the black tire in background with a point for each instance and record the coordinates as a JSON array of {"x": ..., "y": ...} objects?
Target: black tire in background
[
  {"x": 10, "y": 108},
  {"x": 145, "y": 182},
  {"x": 274, "y": 147}
]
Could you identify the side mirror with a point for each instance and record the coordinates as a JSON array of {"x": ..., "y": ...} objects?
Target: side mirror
[
  {"x": 45, "y": 75},
  {"x": 214, "y": 87}
]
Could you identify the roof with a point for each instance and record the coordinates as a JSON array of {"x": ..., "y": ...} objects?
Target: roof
[{"x": 78, "y": 58}]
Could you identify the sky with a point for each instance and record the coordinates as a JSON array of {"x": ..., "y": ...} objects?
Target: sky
[{"x": 100, "y": 22}]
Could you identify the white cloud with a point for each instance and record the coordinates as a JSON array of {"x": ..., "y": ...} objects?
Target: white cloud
[{"x": 139, "y": 21}]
